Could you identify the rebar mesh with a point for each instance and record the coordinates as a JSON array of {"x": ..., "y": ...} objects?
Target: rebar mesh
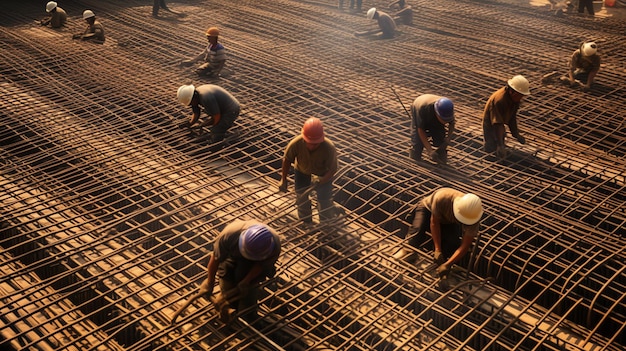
[{"x": 109, "y": 210}]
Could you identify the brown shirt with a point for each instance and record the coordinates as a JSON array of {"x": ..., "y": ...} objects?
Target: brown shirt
[
  {"x": 585, "y": 63},
  {"x": 440, "y": 203},
  {"x": 317, "y": 162},
  {"x": 501, "y": 109}
]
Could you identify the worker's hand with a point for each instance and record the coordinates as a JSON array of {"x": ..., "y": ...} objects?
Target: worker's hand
[
  {"x": 283, "y": 186},
  {"x": 243, "y": 289},
  {"x": 439, "y": 258},
  {"x": 443, "y": 271},
  {"x": 315, "y": 181},
  {"x": 521, "y": 139}
]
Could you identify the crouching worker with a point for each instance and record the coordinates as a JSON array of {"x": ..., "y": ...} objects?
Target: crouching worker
[
  {"x": 94, "y": 31},
  {"x": 213, "y": 56},
  {"x": 57, "y": 18},
  {"x": 449, "y": 215},
  {"x": 584, "y": 65},
  {"x": 221, "y": 107},
  {"x": 244, "y": 255}
]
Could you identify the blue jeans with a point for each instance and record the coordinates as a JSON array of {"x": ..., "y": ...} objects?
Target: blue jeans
[{"x": 303, "y": 201}]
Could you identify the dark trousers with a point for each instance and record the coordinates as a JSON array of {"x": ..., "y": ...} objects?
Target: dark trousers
[
  {"x": 227, "y": 120},
  {"x": 588, "y": 4},
  {"x": 420, "y": 224},
  {"x": 438, "y": 137},
  {"x": 303, "y": 201},
  {"x": 231, "y": 274}
]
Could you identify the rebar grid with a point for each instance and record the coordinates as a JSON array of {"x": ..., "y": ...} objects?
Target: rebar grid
[{"x": 109, "y": 210}]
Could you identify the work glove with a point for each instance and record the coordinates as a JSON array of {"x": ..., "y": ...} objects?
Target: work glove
[
  {"x": 439, "y": 258},
  {"x": 521, "y": 139},
  {"x": 443, "y": 271},
  {"x": 283, "y": 186}
]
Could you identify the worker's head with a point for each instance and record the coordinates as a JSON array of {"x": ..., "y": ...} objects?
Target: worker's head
[
  {"x": 256, "y": 243},
  {"x": 185, "y": 94},
  {"x": 444, "y": 108},
  {"x": 467, "y": 209},
  {"x": 89, "y": 16},
  {"x": 518, "y": 88},
  {"x": 589, "y": 48},
  {"x": 372, "y": 13},
  {"x": 211, "y": 34},
  {"x": 51, "y": 5},
  {"x": 313, "y": 133}
]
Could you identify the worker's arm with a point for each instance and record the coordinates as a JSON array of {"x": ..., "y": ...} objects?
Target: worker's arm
[
  {"x": 466, "y": 243},
  {"x": 195, "y": 115},
  {"x": 450, "y": 133},
  {"x": 211, "y": 268},
  {"x": 424, "y": 138},
  {"x": 435, "y": 231},
  {"x": 591, "y": 78},
  {"x": 283, "y": 174}
]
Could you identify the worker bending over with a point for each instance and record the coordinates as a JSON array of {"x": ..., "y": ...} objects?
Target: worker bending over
[
  {"x": 430, "y": 114},
  {"x": 94, "y": 31},
  {"x": 57, "y": 18},
  {"x": 584, "y": 64},
  {"x": 448, "y": 214}
]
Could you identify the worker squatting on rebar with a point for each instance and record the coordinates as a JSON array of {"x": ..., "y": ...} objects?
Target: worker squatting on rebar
[
  {"x": 448, "y": 214},
  {"x": 94, "y": 31},
  {"x": 500, "y": 110},
  {"x": 221, "y": 107},
  {"x": 584, "y": 64},
  {"x": 57, "y": 17},
  {"x": 386, "y": 25},
  {"x": 213, "y": 56},
  {"x": 244, "y": 255},
  {"x": 430, "y": 114},
  {"x": 315, "y": 163}
]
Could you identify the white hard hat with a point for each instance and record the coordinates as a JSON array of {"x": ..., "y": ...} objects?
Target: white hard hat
[
  {"x": 467, "y": 209},
  {"x": 185, "y": 94},
  {"x": 520, "y": 84},
  {"x": 589, "y": 49},
  {"x": 370, "y": 13},
  {"x": 88, "y": 14},
  {"x": 51, "y": 5}
]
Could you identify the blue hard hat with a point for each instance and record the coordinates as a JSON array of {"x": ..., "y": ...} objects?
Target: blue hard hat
[
  {"x": 256, "y": 243},
  {"x": 445, "y": 109}
]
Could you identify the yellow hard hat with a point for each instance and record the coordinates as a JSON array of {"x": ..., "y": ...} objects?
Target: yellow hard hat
[{"x": 212, "y": 32}]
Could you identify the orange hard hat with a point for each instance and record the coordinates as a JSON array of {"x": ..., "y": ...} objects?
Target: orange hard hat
[
  {"x": 212, "y": 32},
  {"x": 313, "y": 131}
]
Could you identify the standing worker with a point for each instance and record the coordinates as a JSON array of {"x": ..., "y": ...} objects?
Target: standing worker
[
  {"x": 221, "y": 107},
  {"x": 449, "y": 215},
  {"x": 584, "y": 64},
  {"x": 386, "y": 24},
  {"x": 94, "y": 31},
  {"x": 57, "y": 18},
  {"x": 244, "y": 255},
  {"x": 213, "y": 56},
  {"x": 315, "y": 163},
  {"x": 160, "y": 4},
  {"x": 501, "y": 109},
  {"x": 429, "y": 116}
]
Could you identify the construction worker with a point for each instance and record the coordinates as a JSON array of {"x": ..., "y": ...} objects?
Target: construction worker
[
  {"x": 57, "y": 18},
  {"x": 449, "y": 215},
  {"x": 359, "y": 3},
  {"x": 386, "y": 24},
  {"x": 160, "y": 4},
  {"x": 221, "y": 107},
  {"x": 315, "y": 162},
  {"x": 429, "y": 116},
  {"x": 244, "y": 255},
  {"x": 500, "y": 110},
  {"x": 401, "y": 11},
  {"x": 584, "y": 64},
  {"x": 213, "y": 56},
  {"x": 94, "y": 31}
]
